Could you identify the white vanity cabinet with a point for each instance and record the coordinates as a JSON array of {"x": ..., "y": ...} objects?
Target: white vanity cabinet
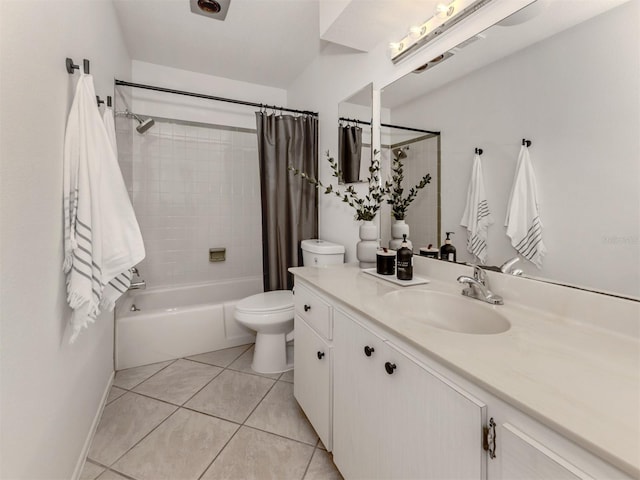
[
  {"x": 395, "y": 418},
  {"x": 388, "y": 411},
  {"x": 312, "y": 378}
]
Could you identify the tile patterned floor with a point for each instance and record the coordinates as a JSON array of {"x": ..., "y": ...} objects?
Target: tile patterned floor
[{"x": 205, "y": 417}]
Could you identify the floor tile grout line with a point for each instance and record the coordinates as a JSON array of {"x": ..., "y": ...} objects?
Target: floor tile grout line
[
  {"x": 259, "y": 403},
  {"x": 220, "y": 452},
  {"x": 152, "y": 375},
  {"x": 122, "y": 474},
  {"x": 315, "y": 449},
  {"x": 279, "y": 435},
  {"x": 191, "y": 409},
  {"x": 145, "y": 436},
  {"x": 248, "y": 345},
  {"x": 205, "y": 385}
]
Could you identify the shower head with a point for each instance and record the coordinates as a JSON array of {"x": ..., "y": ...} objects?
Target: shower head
[
  {"x": 144, "y": 125},
  {"x": 399, "y": 153}
]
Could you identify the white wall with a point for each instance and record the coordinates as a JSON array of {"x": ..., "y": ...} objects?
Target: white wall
[
  {"x": 50, "y": 390},
  {"x": 577, "y": 96},
  {"x": 338, "y": 73},
  {"x": 180, "y": 107}
]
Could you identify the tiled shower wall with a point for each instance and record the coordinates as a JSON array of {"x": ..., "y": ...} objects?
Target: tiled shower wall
[
  {"x": 195, "y": 187},
  {"x": 422, "y": 215}
]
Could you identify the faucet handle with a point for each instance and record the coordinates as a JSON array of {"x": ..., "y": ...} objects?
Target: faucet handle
[
  {"x": 507, "y": 267},
  {"x": 479, "y": 274}
]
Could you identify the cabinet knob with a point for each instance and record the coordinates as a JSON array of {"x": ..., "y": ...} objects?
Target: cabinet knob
[
  {"x": 390, "y": 367},
  {"x": 368, "y": 350},
  {"x": 320, "y": 355},
  {"x": 307, "y": 308}
]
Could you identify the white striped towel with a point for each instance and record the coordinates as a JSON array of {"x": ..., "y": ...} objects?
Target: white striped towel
[
  {"x": 102, "y": 238},
  {"x": 523, "y": 223},
  {"x": 477, "y": 216},
  {"x": 120, "y": 284},
  {"x": 110, "y": 125}
]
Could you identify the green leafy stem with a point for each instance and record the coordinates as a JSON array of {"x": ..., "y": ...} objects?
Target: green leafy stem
[
  {"x": 366, "y": 207},
  {"x": 394, "y": 190}
]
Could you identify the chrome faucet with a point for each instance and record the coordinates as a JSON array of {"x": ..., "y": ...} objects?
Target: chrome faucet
[
  {"x": 478, "y": 287},
  {"x": 141, "y": 285},
  {"x": 507, "y": 267}
]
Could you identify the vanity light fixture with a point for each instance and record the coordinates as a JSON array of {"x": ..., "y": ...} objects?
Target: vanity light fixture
[{"x": 446, "y": 15}]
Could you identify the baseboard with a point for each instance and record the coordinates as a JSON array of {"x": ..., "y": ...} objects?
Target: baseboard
[{"x": 94, "y": 426}]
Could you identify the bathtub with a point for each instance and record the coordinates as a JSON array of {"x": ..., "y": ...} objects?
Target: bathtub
[{"x": 176, "y": 322}]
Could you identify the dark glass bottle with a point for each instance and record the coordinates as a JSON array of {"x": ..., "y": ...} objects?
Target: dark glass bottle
[
  {"x": 448, "y": 251},
  {"x": 404, "y": 261}
]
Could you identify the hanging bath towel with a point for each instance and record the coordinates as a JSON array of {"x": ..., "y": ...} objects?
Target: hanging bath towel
[
  {"x": 523, "y": 223},
  {"x": 120, "y": 284},
  {"x": 110, "y": 125},
  {"x": 477, "y": 216},
  {"x": 102, "y": 237}
]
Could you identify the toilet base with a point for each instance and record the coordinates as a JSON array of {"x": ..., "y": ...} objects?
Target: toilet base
[{"x": 270, "y": 353}]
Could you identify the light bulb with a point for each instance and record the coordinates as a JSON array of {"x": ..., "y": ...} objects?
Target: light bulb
[
  {"x": 396, "y": 46},
  {"x": 414, "y": 32},
  {"x": 443, "y": 10}
]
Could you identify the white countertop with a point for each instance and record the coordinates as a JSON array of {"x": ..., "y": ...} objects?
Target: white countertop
[{"x": 578, "y": 379}]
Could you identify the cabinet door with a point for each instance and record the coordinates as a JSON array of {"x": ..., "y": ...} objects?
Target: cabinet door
[
  {"x": 524, "y": 458},
  {"x": 357, "y": 444},
  {"x": 434, "y": 429},
  {"x": 312, "y": 378},
  {"x": 394, "y": 418}
]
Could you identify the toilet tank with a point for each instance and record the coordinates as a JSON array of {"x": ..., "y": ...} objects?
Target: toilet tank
[{"x": 321, "y": 252}]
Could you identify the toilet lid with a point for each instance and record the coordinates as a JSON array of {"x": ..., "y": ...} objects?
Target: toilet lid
[{"x": 267, "y": 302}]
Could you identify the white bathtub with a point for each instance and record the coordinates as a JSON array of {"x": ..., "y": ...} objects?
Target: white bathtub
[{"x": 175, "y": 322}]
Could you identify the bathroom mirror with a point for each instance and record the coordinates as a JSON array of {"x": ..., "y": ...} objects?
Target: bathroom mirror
[
  {"x": 566, "y": 79},
  {"x": 418, "y": 151},
  {"x": 354, "y": 135}
]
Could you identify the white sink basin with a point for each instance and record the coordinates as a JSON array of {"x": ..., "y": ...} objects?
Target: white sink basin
[{"x": 454, "y": 313}]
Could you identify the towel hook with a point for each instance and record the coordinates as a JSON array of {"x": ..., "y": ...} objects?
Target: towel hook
[
  {"x": 108, "y": 100},
  {"x": 85, "y": 66},
  {"x": 526, "y": 142},
  {"x": 98, "y": 100},
  {"x": 71, "y": 67},
  {"x": 479, "y": 151}
]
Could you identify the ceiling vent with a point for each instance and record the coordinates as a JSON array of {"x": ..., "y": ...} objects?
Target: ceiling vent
[{"x": 211, "y": 8}]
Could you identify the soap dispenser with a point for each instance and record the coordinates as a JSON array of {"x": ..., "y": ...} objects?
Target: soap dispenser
[
  {"x": 448, "y": 251},
  {"x": 404, "y": 261}
]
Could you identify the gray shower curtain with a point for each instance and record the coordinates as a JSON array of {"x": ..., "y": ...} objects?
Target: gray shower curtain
[
  {"x": 289, "y": 203},
  {"x": 350, "y": 151}
]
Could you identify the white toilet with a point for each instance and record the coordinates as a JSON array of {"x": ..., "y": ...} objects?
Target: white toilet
[{"x": 270, "y": 314}]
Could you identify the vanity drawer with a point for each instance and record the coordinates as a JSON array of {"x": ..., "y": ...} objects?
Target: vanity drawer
[{"x": 314, "y": 310}]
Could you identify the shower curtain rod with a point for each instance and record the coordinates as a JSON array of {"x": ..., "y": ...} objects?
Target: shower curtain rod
[
  {"x": 344, "y": 119},
  {"x": 211, "y": 97}
]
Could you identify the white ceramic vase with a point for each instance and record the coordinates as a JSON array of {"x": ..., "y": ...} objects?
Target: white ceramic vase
[
  {"x": 368, "y": 244},
  {"x": 398, "y": 229}
]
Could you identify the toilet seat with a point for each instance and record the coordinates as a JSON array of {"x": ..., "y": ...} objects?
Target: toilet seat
[
  {"x": 266, "y": 308},
  {"x": 275, "y": 301}
]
